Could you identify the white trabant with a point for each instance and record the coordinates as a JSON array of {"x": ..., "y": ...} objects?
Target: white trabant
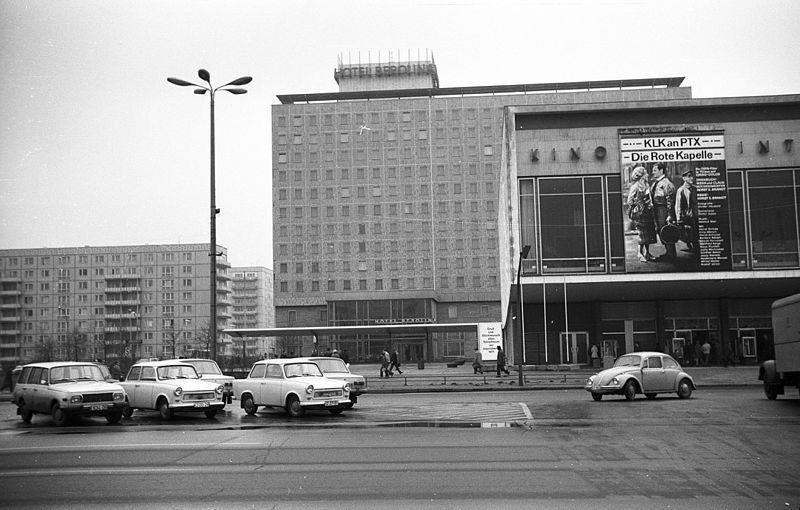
[
  {"x": 294, "y": 384},
  {"x": 169, "y": 387},
  {"x": 336, "y": 368},
  {"x": 67, "y": 388},
  {"x": 208, "y": 370}
]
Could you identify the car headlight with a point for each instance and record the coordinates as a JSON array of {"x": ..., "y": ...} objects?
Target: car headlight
[
  {"x": 310, "y": 389},
  {"x": 178, "y": 391},
  {"x": 346, "y": 388},
  {"x": 76, "y": 399},
  {"x": 590, "y": 380},
  {"x": 220, "y": 389},
  {"x": 119, "y": 396}
]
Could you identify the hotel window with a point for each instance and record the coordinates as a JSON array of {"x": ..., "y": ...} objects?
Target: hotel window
[{"x": 346, "y": 285}]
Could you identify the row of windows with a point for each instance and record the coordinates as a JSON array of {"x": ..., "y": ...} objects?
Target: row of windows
[
  {"x": 388, "y": 116},
  {"x": 392, "y": 209},
  {"x": 376, "y": 134},
  {"x": 133, "y": 272},
  {"x": 422, "y": 152},
  {"x": 393, "y": 190},
  {"x": 392, "y": 264},
  {"x": 391, "y": 172},
  {"x": 67, "y": 286},
  {"x": 442, "y": 244},
  {"x": 410, "y": 283},
  {"x": 61, "y": 260}
]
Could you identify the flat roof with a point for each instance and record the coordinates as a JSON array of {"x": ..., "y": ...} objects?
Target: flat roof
[
  {"x": 481, "y": 90},
  {"x": 386, "y": 329}
]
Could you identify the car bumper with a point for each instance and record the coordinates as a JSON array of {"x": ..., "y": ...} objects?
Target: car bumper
[
  {"x": 197, "y": 407},
  {"x": 325, "y": 404},
  {"x": 95, "y": 409},
  {"x": 603, "y": 390}
]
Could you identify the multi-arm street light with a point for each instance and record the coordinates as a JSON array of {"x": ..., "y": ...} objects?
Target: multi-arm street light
[
  {"x": 518, "y": 347},
  {"x": 202, "y": 89}
]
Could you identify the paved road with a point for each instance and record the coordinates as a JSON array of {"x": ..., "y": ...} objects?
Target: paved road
[{"x": 724, "y": 448}]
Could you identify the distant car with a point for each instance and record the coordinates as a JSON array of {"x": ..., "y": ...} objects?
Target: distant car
[
  {"x": 67, "y": 388},
  {"x": 209, "y": 371},
  {"x": 169, "y": 387},
  {"x": 335, "y": 368},
  {"x": 650, "y": 373},
  {"x": 295, "y": 384}
]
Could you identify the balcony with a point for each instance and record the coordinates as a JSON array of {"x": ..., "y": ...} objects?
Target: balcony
[
  {"x": 10, "y": 306},
  {"x": 10, "y": 279},
  {"x": 9, "y": 332},
  {"x": 123, "y": 277},
  {"x": 10, "y": 292},
  {"x": 123, "y": 329},
  {"x": 117, "y": 290},
  {"x": 125, "y": 302},
  {"x": 120, "y": 316},
  {"x": 10, "y": 319}
]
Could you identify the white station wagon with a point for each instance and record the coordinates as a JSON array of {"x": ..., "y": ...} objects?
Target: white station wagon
[
  {"x": 170, "y": 386},
  {"x": 67, "y": 388},
  {"x": 294, "y": 384}
]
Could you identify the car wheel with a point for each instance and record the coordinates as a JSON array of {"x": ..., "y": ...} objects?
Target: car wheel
[
  {"x": 336, "y": 411},
  {"x": 210, "y": 413},
  {"x": 113, "y": 418},
  {"x": 127, "y": 411},
  {"x": 294, "y": 408},
  {"x": 248, "y": 405},
  {"x": 597, "y": 396},
  {"x": 60, "y": 418},
  {"x": 164, "y": 410},
  {"x": 629, "y": 390},
  {"x": 770, "y": 391},
  {"x": 651, "y": 396},
  {"x": 684, "y": 389},
  {"x": 26, "y": 414}
]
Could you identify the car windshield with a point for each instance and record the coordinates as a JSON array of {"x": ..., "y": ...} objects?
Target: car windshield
[
  {"x": 205, "y": 367},
  {"x": 629, "y": 360},
  {"x": 73, "y": 373},
  {"x": 301, "y": 369},
  {"x": 332, "y": 366},
  {"x": 177, "y": 372}
]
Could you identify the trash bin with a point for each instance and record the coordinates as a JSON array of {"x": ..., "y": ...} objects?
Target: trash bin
[{"x": 420, "y": 363}]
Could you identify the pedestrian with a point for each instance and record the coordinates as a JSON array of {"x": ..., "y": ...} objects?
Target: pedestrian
[
  {"x": 335, "y": 354},
  {"x": 501, "y": 362},
  {"x": 595, "y": 356},
  {"x": 385, "y": 359},
  {"x": 7, "y": 383},
  {"x": 116, "y": 371},
  {"x": 706, "y": 350},
  {"x": 477, "y": 362},
  {"x": 345, "y": 357},
  {"x": 394, "y": 362}
]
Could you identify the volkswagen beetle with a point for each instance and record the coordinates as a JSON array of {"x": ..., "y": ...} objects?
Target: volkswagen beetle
[{"x": 649, "y": 373}]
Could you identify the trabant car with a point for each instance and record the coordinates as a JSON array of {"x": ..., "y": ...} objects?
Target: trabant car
[
  {"x": 295, "y": 384},
  {"x": 208, "y": 370},
  {"x": 650, "y": 373},
  {"x": 66, "y": 388},
  {"x": 336, "y": 368},
  {"x": 169, "y": 387}
]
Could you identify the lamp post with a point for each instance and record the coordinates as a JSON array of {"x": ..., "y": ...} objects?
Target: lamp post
[
  {"x": 202, "y": 89},
  {"x": 521, "y": 336}
]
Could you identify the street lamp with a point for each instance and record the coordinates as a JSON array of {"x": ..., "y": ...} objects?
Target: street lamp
[
  {"x": 202, "y": 89},
  {"x": 520, "y": 338}
]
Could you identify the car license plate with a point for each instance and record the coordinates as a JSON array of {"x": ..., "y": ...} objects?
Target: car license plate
[
  {"x": 329, "y": 403},
  {"x": 98, "y": 407},
  {"x": 201, "y": 404}
]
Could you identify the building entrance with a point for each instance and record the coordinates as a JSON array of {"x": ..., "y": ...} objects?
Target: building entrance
[{"x": 574, "y": 347}]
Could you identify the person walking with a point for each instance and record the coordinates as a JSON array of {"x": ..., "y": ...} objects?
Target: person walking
[
  {"x": 477, "y": 362},
  {"x": 394, "y": 362},
  {"x": 706, "y": 350},
  {"x": 116, "y": 371},
  {"x": 501, "y": 362},
  {"x": 385, "y": 360}
]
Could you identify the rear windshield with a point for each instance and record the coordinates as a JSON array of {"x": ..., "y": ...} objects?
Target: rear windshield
[
  {"x": 332, "y": 366},
  {"x": 205, "y": 367}
]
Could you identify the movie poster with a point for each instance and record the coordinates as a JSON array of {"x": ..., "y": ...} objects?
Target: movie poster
[{"x": 675, "y": 201}]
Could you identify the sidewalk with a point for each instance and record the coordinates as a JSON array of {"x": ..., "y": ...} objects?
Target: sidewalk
[{"x": 439, "y": 377}]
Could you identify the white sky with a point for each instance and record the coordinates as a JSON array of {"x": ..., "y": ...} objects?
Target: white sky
[{"x": 98, "y": 149}]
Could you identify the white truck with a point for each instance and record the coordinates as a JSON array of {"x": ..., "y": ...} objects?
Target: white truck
[{"x": 784, "y": 370}]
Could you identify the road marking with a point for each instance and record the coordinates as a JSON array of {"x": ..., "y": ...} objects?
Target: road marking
[{"x": 525, "y": 410}]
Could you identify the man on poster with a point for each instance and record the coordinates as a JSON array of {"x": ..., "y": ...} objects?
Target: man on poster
[
  {"x": 662, "y": 192},
  {"x": 686, "y": 211}
]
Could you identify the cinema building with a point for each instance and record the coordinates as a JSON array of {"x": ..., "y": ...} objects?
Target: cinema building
[{"x": 400, "y": 203}]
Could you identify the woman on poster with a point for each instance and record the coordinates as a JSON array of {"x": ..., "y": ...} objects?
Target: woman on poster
[{"x": 640, "y": 211}]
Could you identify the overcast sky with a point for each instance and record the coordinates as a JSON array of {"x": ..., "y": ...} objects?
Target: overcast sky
[{"x": 98, "y": 149}]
